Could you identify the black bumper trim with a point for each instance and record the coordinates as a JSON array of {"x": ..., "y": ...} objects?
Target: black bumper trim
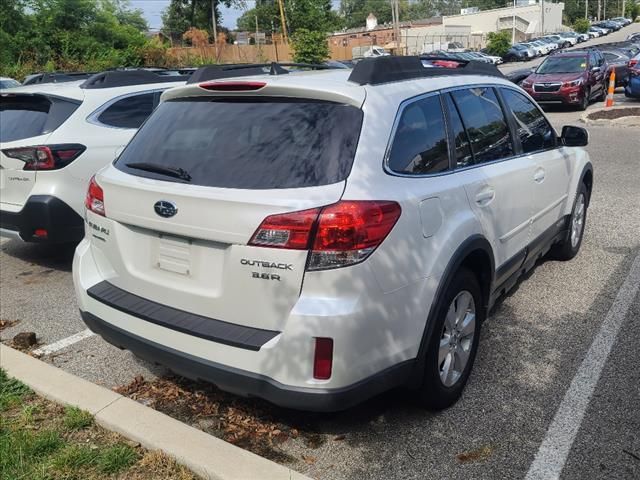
[
  {"x": 249, "y": 384},
  {"x": 203, "y": 327},
  {"x": 62, "y": 223}
]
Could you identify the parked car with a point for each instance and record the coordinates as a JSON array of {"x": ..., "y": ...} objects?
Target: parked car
[
  {"x": 601, "y": 30},
  {"x": 6, "y": 82},
  {"x": 619, "y": 61},
  {"x": 634, "y": 36},
  {"x": 492, "y": 58},
  {"x": 348, "y": 240},
  {"x": 569, "y": 78},
  {"x": 552, "y": 45},
  {"x": 560, "y": 41},
  {"x": 545, "y": 48},
  {"x": 622, "y": 20},
  {"x": 518, "y": 53},
  {"x": 593, "y": 33},
  {"x": 632, "y": 89},
  {"x": 570, "y": 37},
  {"x": 537, "y": 50},
  {"x": 54, "y": 136},
  {"x": 518, "y": 76}
]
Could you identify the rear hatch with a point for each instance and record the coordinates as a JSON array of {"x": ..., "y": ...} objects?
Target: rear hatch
[
  {"x": 26, "y": 120},
  {"x": 195, "y": 183}
]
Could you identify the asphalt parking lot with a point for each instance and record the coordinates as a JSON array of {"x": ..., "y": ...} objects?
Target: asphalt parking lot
[{"x": 534, "y": 389}]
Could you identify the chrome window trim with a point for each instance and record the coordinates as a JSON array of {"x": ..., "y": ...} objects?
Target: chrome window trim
[
  {"x": 92, "y": 118},
  {"x": 452, "y": 168}
]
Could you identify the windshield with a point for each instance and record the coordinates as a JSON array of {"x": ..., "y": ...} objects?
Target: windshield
[
  {"x": 563, "y": 65},
  {"x": 246, "y": 143}
]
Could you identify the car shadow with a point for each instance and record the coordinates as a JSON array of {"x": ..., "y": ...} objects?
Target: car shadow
[{"x": 55, "y": 257}]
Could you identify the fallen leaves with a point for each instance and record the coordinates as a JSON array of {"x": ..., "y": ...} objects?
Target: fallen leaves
[
  {"x": 478, "y": 455},
  {"x": 7, "y": 323},
  {"x": 242, "y": 422}
]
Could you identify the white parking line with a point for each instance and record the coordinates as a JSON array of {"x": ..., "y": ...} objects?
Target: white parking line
[
  {"x": 554, "y": 450},
  {"x": 64, "y": 343}
]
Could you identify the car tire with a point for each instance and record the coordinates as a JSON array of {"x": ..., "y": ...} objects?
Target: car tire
[
  {"x": 584, "y": 104},
  {"x": 568, "y": 248},
  {"x": 458, "y": 317}
]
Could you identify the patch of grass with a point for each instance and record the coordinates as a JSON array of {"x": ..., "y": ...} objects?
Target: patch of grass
[
  {"x": 41, "y": 440},
  {"x": 74, "y": 457},
  {"x": 116, "y": 458},
  {"x": 11, "y": 391},
  {"x": 76, "y": 419}
]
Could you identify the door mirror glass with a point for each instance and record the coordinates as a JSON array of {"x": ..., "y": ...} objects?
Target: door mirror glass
[{"x": 574, "y": 136}]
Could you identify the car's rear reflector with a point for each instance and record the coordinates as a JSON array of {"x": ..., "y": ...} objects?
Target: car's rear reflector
[
  {"x": 232, "y": 86},
  {"x": 338, "y": 235},
  {"x": 323, "y": 358},
  {"x": 94, "y": 201}
]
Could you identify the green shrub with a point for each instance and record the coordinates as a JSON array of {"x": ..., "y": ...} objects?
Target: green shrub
[
  {"x": 499, "y": 43},
  {"x": 581, "y": 25}
]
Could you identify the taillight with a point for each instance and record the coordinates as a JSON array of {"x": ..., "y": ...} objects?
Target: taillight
[
  {"x": 338, "y": 235},
  {"x": 232, "y": 86},
  {"x": 94, "y": 201},
  {"x": 46, "y": 157},
  {"x": 633, "y": 62}
]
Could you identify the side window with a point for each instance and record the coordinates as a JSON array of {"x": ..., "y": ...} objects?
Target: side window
[
  {"x": 533, "y": 128},
  {"x": 420, "y": 143},
  {"x": 593, "y": 60},
  {"x": 460, "y": 138},
  {"x": 484, "y": 121},
  {"x": 129, "y": 112}
]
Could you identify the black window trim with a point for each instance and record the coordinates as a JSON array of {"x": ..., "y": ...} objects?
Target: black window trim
[
  {"x": 93, "y": 117},
  {"x": 387, "y": 155},
  {"x": 513, "y": 125},
  {"x": 452, "y": 168}
]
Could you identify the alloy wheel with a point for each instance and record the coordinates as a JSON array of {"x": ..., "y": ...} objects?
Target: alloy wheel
[
  {"x": 456, "y": 340},
  {"x": 577, "y": 221}
]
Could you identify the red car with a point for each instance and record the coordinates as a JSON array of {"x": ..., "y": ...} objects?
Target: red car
[{"x": 569, "y": 78}]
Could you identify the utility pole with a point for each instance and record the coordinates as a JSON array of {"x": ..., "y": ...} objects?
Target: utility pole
[
  {"x": 215, "y": 26},
  {"x": 283, "y": 21},
  {"x": 395, "y": 11},
  {"x": 513, "y": 27}
]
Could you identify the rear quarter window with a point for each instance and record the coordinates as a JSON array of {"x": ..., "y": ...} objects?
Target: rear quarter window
[
  {"x": 24, "y": 116},
  {"x": 129, "y": 112},
  {"x": 248, "y": 143}
]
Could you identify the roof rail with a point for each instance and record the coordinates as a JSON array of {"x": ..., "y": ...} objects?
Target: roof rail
[
  {"x": 216, "y": 72},
  {"x": 123, "y": 78},
  {"x": 55, "y": 77},
  {"x": 376, "y": 71}
]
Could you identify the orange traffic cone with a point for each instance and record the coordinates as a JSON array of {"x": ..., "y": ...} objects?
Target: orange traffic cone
[{"x": 612, "y": 86}]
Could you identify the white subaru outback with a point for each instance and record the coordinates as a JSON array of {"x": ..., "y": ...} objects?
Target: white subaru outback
[
  {"x": 55, "y": 136},
  {"x": 317, "y": 238}
]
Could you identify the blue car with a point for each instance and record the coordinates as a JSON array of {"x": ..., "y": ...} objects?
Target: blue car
[{"x": 633, "y": 86}]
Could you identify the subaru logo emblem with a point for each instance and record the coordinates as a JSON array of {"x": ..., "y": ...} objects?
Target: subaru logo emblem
[{"x": 165, "y": 208}]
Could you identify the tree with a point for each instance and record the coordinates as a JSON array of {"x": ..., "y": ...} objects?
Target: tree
[
  {"x": 355, "y": 12},
  {"x": 581, "y": 25},
  {"x": 181, "y": 15},
  {"x": 499, "y": 43},
  {"x": 268, "y": 15},
  {"x": 309, "y": 46}
]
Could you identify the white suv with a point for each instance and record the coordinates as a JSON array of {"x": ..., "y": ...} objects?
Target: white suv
[
  {"x": 316, "y": 238},
  {"x": 55, "y": 136}
]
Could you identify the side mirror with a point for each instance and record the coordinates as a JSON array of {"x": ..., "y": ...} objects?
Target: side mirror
[
  {"x": 574, "y": 136},
  {"x": 595, "y": 69}
]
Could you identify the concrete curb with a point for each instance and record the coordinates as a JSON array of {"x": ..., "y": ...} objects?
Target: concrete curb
[
  {"x": 204, "y": 454},
  {"x": 630, "y": 121}
]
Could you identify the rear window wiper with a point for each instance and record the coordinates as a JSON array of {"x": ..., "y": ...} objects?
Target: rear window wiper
[{"x": 176, "y": 172}]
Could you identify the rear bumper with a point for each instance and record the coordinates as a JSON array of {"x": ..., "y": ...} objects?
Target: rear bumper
[
  {"x": 43, "y": 212},
  {"x": 250, "y": 384}
]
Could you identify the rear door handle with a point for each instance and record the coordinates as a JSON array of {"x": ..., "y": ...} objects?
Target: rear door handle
[
  {"x": 485, "y": 196},
  {"x": 539, "y": 175}
]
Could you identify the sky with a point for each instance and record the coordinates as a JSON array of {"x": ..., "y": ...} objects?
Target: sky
[{"x": 153, "y": 10}]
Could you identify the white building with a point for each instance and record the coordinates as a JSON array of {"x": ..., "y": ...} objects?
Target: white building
[{"x": 471, "y": 29}]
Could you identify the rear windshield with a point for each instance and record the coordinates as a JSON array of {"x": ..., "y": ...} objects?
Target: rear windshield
[
  {"x": 24, "y": 116},
  {"x": 246, "y": 143}
]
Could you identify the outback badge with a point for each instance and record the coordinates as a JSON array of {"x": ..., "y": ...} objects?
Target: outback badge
[{"x": 165, "y": 208}]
